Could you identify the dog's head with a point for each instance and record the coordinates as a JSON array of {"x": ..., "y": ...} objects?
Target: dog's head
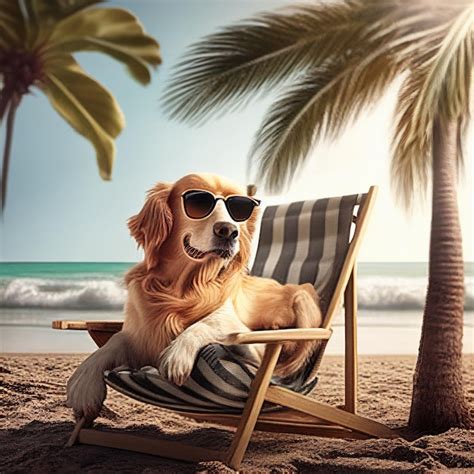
[{"x": 196, "y": 220}]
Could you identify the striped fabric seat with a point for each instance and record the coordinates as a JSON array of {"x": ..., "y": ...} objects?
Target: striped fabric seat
[
  {"x": 300, "y": 242},
  {"x": 220, "y": 382}
]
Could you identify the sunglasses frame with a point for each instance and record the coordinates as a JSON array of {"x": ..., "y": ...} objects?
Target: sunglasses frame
[{"x": 217, "y": 198}]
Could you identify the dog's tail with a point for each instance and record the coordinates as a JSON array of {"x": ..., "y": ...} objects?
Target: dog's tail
[{"x": 307, "y": 315}]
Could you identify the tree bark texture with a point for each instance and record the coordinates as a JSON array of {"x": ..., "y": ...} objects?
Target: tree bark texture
[{"x": 439, "y": 401}]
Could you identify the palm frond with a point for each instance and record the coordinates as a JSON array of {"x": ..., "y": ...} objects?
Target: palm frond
[
  {"x": 12, "y": 25},
  {"x": 113, "y": 31},
  {"x": 37, "y": 38},
  {"x": 42, "y": 15},
  {"x": 438, "y": 86},
  {"x": 96, "y": 99},
  {"x": 326, "y": 101},
  {"x": 57, "y": 9},
  {"x": 87, "y": 106},
  {"x": 320, "y": 106},
  {"x": 254, "y": 56}
]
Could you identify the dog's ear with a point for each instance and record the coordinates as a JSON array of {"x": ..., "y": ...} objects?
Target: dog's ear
[
  {"x": 152, "y": 225},
  {"x": 246, "y": 238}
]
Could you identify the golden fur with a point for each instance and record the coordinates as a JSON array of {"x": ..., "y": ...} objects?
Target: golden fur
[
  {"x": 168, "y": 291},
  {"x": 178, "y": 304}
]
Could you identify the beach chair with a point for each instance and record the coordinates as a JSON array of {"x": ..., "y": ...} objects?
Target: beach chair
[{"x": 310, "y": 241}]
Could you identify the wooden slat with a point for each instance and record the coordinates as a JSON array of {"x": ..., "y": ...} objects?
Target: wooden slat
[
  {"x": 233, "y": 419},
  {"x": 148, "y": 445},
  {"x": 352, "y": 252},
  {"x": 285, "y": 397},
  {"x": 285, "y": 421},
  {"x": 112, "y": 326},
  {"x": 330, "y": 431},
  {"x": 280, "y": 335},
  {"x": 75, "y": 325},
  {"x": 350, "y": 328},
  {"x": 253, "y": 406},
  {"x": 290, "y": 415}
]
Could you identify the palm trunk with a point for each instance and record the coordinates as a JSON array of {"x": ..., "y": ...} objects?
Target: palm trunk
[
  {"x": 438, "y": 401},
  {"x": 14, "y": 102}
]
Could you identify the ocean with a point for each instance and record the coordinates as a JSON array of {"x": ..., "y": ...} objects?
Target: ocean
[{"x": 391, "y": 299}]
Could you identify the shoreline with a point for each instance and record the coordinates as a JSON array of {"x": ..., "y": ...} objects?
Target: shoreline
[{"x": 372, "y": 340}]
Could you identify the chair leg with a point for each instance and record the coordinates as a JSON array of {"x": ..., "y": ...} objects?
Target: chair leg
[
  {"x": 253, "y": 406},
  {"x": 75, "y": 432},
  {"x": 149, "y": 445},
  {"x": 350, "y": 328},
  {"x": 287, "y": 398}
]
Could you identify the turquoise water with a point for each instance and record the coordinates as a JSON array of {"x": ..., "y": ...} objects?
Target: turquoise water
[
  {"x": 62, "y": 270},
  {"x": 391, "y": 299}
]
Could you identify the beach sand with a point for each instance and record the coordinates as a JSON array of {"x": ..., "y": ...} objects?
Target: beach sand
[{"x": 35, "y": 424}]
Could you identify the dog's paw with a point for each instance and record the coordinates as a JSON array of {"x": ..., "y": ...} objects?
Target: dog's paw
[
  {"x": 86, "y": 391},
  {"x": 177, "y": 361}
]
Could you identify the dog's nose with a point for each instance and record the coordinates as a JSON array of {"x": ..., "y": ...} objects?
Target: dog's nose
[{"x": 226, "y": 230}]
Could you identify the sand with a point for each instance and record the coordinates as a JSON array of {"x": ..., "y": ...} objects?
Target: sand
[{"x": 34, "y": 425}]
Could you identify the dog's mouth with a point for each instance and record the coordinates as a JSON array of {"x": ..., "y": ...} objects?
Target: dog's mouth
[{"x": 197, "y": 254}]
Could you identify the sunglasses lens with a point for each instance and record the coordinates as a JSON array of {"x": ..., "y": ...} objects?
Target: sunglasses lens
[
  {"x": 198, "y": 204},
  {"x": 240, "y": 207}
]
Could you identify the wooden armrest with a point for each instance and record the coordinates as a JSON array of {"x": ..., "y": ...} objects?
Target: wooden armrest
[
  {"x": 113, "y": 326},
  {"x": 281, "y": 335}
]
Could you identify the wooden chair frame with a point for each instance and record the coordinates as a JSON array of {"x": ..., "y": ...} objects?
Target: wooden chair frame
[{"x": 300, "y": 414}]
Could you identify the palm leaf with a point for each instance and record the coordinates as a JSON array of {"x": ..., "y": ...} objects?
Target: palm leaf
[
  {"x": 113, "y": 31},
  {"x": 54, "y": 10},
  {"x": 87, "y": 106},
  {"x": 438, "y": 85},
  {"x": 12, "y": 26},
  {"x": 42, "y": 15},
  {"x": 225, "y": 70},
  {"x": 258, "y": 54},
  {"x": 318, "y": 106},
  {"x": 323, "y": 103},
  {"x": 40, "y": 35}
]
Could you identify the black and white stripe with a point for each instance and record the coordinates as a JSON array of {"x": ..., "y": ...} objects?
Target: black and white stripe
[
  {"x": 300, "y": 242},
  {"x": 305, "y": 242},
  {"x": 220, "y": 382}
]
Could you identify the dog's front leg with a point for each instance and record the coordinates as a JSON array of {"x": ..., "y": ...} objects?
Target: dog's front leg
[
  {"x": 177, "y": 360},
  {"x": 86, "y": 389}
]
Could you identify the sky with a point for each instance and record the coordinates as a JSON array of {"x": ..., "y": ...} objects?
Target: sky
[{"x": 59, "y": 209}]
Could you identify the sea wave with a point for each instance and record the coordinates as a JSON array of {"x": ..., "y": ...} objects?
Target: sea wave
[
  {"x": 61, "y": 294},
  {"x": 376, "y": 293},
  {"x": 401, "y": 293}
]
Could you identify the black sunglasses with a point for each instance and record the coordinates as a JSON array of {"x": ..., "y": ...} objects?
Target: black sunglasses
[{"x": 199, "y": 204}]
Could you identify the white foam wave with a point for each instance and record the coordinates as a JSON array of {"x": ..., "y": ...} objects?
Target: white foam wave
[
  {"x": 380, "y": 293},
  {"x": 401, "y": 293},
  {"x": 61, "y": 294}
]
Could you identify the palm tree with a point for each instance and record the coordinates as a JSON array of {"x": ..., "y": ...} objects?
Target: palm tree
[
  {"x": 37, "y": 40},
  {"x": 333, "y": 59}
]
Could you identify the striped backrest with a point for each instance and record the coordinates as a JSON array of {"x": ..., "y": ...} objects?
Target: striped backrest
[{"x": 306, "y": 242}]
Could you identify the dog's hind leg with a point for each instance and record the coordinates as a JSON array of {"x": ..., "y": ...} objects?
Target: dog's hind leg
[{"x": 306, "y": 314}]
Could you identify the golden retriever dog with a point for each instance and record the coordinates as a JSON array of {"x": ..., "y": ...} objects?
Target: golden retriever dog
[{"x": 193, "y": 289}]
